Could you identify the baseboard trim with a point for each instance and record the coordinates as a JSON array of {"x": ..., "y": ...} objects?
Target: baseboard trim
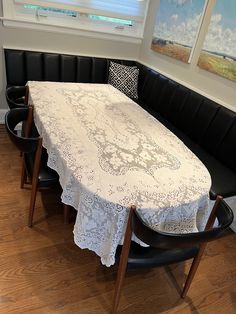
[{"x": 2, "y": 115}]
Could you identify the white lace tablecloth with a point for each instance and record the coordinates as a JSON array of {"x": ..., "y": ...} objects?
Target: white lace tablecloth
[{"x": 110, "y": 154}]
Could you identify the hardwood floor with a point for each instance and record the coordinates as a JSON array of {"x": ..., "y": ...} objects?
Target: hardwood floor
[{"x": 43, "y": 271}]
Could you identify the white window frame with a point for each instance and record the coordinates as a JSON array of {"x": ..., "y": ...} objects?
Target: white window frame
[{"x": 84, "y": 26}]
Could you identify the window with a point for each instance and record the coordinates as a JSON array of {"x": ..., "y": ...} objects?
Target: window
[{"x": 115, "y": 17}]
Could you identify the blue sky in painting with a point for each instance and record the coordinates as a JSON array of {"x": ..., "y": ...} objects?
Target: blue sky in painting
[
  {"x": 184, "y": 9},
  {"x": 221, "y": 36},
  {"x": 178, "y": 20},
  {"x": 227, "y": 8}
]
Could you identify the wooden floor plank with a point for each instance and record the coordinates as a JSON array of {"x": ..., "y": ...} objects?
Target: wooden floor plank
[{"x": 43, "y": 271}]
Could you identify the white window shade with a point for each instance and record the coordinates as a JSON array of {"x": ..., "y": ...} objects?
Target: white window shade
[
  {"x": 121, "y": 20},
  {"x": 124, "y": 9}
]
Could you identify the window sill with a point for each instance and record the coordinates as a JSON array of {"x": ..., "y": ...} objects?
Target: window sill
[{"x": 83, "y": 30}]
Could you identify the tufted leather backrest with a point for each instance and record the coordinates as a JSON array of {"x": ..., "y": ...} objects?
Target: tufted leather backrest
[
  {"x": 23, "y": 66},
  {"x": 207, "y": 123}
]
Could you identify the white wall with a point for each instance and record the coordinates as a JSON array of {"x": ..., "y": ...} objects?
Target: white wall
[
  {"x": 211, "y": 85},
  {"x": 57, "y": 42}
]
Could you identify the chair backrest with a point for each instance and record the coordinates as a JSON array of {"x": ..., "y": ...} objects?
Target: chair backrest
[
  {"x": 12, "y": 118},
  {"x": 166, "y": 240},
  {"x": 15, "y": 96}
]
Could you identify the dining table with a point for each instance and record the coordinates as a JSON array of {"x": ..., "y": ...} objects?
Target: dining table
[{"x": 110, "y": 154}]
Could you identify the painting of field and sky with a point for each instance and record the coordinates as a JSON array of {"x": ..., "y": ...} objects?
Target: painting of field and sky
[
  {"x": 219, "y": 51},
  {"x": 176, "y": 27}
]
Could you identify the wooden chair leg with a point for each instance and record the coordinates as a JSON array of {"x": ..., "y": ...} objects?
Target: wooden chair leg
[
  {"x": 35, "y": 181},
  {"x": 123, "y": 263},
  {"x": 197, "y": 259},
  {"x": 23, "y": 174},
  {"x": 193, "y": 270},
  {"x": 35, "y": 176},
  {"x": 32, "y": 201},
  {"x": 119, "y": 283},
  {"x": 67, "y": 210}
]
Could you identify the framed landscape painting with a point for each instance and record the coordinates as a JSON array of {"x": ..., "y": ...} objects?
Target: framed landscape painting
[
  {"x": 219, "y": 50},
  {"x": 177, "y": 27}
]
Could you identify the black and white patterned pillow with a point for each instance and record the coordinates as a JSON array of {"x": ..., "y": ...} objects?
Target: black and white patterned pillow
[{"x": 124, "y": 78}]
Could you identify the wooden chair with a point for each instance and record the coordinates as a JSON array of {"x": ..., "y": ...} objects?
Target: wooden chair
[
  {"x": 34, "y": 161},
  {"x": 166, "y": 248}
]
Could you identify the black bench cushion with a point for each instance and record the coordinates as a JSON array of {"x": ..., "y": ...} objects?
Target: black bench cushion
[
  {"x": 223, "y": 178},
  {"x": 210, "y": 125}
]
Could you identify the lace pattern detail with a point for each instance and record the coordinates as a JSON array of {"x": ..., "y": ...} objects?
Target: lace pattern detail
[{"x": 109, "y": 154}]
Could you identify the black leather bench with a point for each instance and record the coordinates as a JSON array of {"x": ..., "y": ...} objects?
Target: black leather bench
[
  {"x": 23, "y": 66},
  {"x": 206, "y": 127}
]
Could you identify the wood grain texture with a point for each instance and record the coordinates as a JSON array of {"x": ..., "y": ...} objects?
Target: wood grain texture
[{"x": 43, "y": 271}]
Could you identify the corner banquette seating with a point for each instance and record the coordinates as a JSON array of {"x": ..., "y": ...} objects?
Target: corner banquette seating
[{"x": 207, "y": 128}]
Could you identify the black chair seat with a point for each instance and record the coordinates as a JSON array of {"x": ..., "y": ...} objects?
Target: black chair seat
[
  {"x": 47, "y": 176},
  {"x": 148, "y": 257}
]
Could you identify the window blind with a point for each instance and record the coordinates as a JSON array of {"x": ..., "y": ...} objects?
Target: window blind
[{"x": 125, "y": 9}]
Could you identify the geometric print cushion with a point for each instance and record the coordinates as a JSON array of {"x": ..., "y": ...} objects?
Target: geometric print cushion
[{"x": 124, "y": 78}]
